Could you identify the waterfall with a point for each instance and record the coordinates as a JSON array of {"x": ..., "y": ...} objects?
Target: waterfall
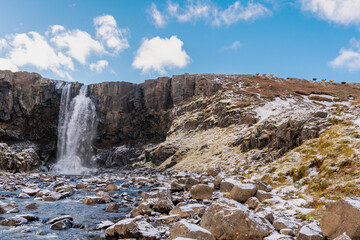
[{"x": 76, "y": 131}]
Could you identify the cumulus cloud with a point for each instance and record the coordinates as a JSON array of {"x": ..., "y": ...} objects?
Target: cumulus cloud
[
  {"x": 6, "y": 64},
  {"x": 158, "y": 54},
  {"x": 348, "y": 58},
  {"x": 159, "y": 19},
  {"x": 57, "y": 49},
  {"x": 33, "y": 49},
  {"x": 338, "y": 11},
  {"x": 78, "y": 44},
  {"x": 210, "y": 13},
  {"x": 108, "y": 32},
  {"x": 99, "y": 66}
]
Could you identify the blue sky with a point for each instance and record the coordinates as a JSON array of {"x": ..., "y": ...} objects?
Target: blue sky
[{"x": 111, "y": 40}]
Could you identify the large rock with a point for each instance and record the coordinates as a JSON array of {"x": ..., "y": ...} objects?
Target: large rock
[
  {"x": 342, "y": 216},
  {"x": 242, "y": 192},
  {"x": 188, "y": 230},
  {"x": 310, "y": 231},
  {"x": 228, "y": 219},
  {"x": 201, "y": 191},
  {"x": 188, "y": 210}
]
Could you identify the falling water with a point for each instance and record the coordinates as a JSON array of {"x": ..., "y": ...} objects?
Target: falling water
[{"x": 76, "y": 130}]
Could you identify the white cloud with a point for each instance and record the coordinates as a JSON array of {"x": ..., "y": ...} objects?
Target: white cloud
[
  {"x": 33, "y": 49},
  {"x": 339, "y": 11},
  {"x": 236, "y": 12},
  {"x": 57, "y": 28},
  {"x": 349, "y": 58},
  {"x": 234, "y": 46},
  {"x": 99, "y": 66},
  {"x": 6, "y": 64},
  {"x": 159, "y": 19},
  {"x": 210, "y": 13},
  {"x": 108, "y": 31},
  {"x": 79, "y": 44},
  {"x": 3, "y": 44},
  {"x": 158, "y": 54}
]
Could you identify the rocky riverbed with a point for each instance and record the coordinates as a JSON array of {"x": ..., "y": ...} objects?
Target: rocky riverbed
[{"x": 147, "y": 203}]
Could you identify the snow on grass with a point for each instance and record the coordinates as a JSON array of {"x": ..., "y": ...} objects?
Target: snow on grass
[{"x": 273, "y": 108}]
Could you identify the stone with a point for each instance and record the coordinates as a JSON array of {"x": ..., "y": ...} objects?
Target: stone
[
  {"x": 112, "y": 207},
  {"x": 142, "y": 209},
  {"x": 90, "y": 200},
  {"x": 342, "y": 216},
  {"x": 188, "y": 230},
  {"x": 201, "y": 191},
  {"x": 287, "y": 231},
  {"x": 277, "y": 236},
  {"x": 343, "y": 236},
  {"x": 104, "y": 224},
  {"x": 54, "y": 220},
  {"x": 213, "y": 170},
  {"x": 31, "y": 206},
  {"x": 229, "y": 219},
  {"x": 24, "y": 195},
  {"x": 281, "y": 223},
  {"x": 190, "y": 181},
  {"x": 13, "y": 221},
  {"x": 111, "y": 188},
  {"x": 241, "y": 192},
  {"x": 81, "y": 185},
  {"x": 177, "y": 187},
  {"x": 188, "y": 210},
  {"x": 62, "y": 225},
  {"x": 217, "y": 181},
  {"x": 227, "y": 184},
  {"x": 129, "y": 228},
  {"x": 252, "y": 203},
  {"x": 29, "y": 217},
  {"x": 53, "y": 196},
  {"x": 163, "y": 206},
  {"x": 104, "y": 196},
  {"x": 263, "y": 195},
  {"x": 310, "y": 231}
]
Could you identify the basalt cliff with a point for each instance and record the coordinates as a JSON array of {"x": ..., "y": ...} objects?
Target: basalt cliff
[{"x": 269, "y": 128}]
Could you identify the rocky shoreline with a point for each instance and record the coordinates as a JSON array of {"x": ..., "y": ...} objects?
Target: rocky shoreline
[{"x": 144, "y": 203}]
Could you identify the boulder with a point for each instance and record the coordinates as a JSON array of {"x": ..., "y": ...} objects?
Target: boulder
[
  {"x": 343, "y": 236},
  {"x": 277, "y": 236},
  {"x": 13, "y": 221},
  {"x": 213, "y": 170},
  {"x": 229, "y": 219},
  {"x": 310, "y": 231},
  {"x": 31, "y": 206},
  {"x": 263, "y": 195},
  {"x": 177, "y": 187},
  {"x": 252, "y": 203},
  {"x": 241, "y": 192},
  {"x": 111, "y": 188},
  {"x": 190, "y": 181},
  {"x": 54, "y": 220},
  {"x": 342, "y": 216},
  {"x": 201, "y": 191},
  {"x": 30, "y": 191},
  {"x": 90, "y": 200},
  {"x": 188, "y": 210},
  {"x": 112, "y": 207},
  {"x": 142, "y": 209},
  {"x": 227, "y": 184},
  {"x": 188, "y": 230},
  {"x": 163, "y": 206},
  {"x": 62, "y": 225},
  {"x": 282, "y": 223}
]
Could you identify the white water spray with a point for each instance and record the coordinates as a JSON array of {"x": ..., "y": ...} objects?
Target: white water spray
[{"x": 77, "y": 128}]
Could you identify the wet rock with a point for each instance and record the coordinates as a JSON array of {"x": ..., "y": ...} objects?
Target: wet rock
[
  {"x": 188, "y": 230},
  {"x": 31, "y": 206},
  {"x": 163, "y": 206},
  {"x": 82, "y": 185},
  {"x": 228, "y": 219},
  {"x": 111, "y": 188},
  {"x": 342, "y": 216},
  {"x": 142, "y": 209},
  {"x": 252, "y": 203},
  {"x": 188, "y": 210},
  {"x": 310, "y": 231},
  {"x": 201, "y": 191},
  {"x": 13, "y": 221},
  {"x": 30, "y": 191},
  {"x": 53, "y": 196},
  {"x": 104, "y": 195},
  {"x": 90, "y": 200},
  {"x": 213, "y": 170},
  {"x": 112, "y": 207},
  {"x": 29, "y": 217},
  {"x": 62, "y": 224},
  {"x": 51, "y": 221},
  {"x": 241, "y": 192},
  {"x": 24, "y": 195},
  {"x": 262, "y": 195},
  {"x": 104, "y": 224}
]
